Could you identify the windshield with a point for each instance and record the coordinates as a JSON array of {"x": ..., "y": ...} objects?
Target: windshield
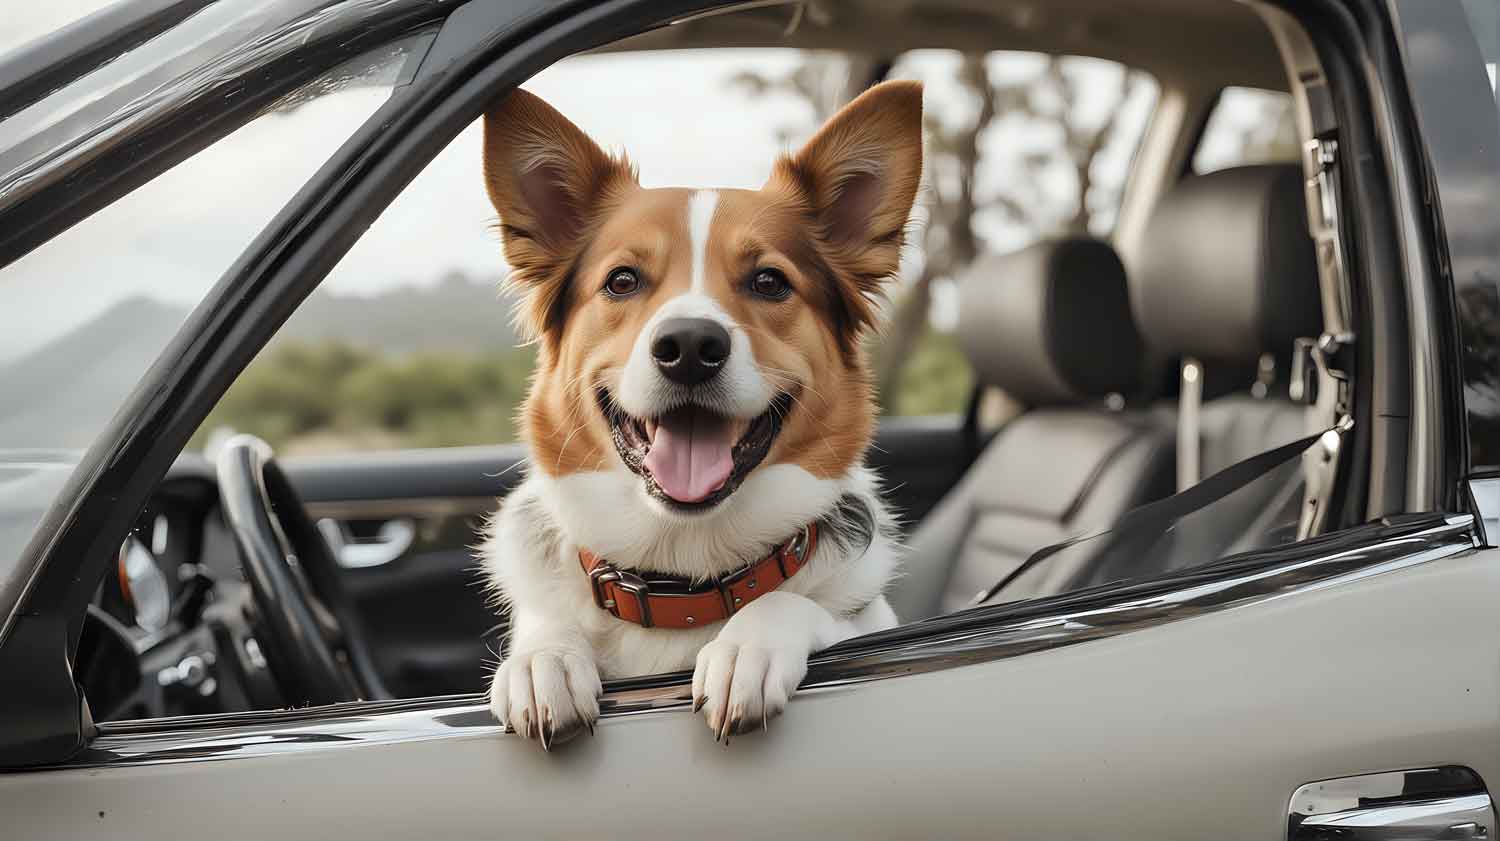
[{"x": 86, "y": 313}]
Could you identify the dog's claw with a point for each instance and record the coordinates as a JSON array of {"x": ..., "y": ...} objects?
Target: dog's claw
[
  {"x": 698, "y": 703},
  {"x": 548, "y": 696}
]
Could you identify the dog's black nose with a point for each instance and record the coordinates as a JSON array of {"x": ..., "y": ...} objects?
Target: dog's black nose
[{"x": 690, "y": 350}]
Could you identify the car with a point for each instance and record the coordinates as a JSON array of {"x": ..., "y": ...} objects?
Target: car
[{"x": 1211, "y": 548}]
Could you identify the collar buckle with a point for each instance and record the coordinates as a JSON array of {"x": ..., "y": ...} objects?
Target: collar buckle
[
  {"x": 625, "y": 582},
  {"x": 794, "y": 552}
]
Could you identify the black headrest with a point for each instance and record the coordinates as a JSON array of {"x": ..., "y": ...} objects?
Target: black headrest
[
  {"x": 1051, "y": 324},
  {"x": 1228, "y": 271}
]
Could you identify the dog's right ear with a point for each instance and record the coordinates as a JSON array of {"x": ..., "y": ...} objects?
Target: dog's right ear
[{"x": 549, "y": 182}]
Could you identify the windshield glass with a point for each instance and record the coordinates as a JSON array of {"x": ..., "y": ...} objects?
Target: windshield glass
[{"x": 85, "y": 314}]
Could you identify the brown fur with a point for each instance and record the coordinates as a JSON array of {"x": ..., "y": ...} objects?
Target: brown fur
[{"x": 831, "y": 219}]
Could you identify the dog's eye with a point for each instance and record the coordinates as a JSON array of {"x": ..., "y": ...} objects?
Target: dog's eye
[
  {"x": 622, "y": 282},
  {"x": 769, "y": 283}
]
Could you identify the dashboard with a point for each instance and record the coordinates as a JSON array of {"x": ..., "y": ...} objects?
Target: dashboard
[{"x": 170, "y": 633}]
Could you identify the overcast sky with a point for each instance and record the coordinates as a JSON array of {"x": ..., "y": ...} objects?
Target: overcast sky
[{"x": 172, "y": 239}]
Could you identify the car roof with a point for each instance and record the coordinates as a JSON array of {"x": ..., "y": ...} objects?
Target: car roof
[{"x": 1204, "y": 43}]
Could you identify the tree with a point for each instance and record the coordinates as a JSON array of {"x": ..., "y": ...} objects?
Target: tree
[
  {"x": 824, "y": 80},
  {"x": 1050, "y": 96}
]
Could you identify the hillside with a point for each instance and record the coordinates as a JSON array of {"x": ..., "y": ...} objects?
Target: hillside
[
  {"x": 458, "y": 313},
  {"x": 61, "y": 394}
]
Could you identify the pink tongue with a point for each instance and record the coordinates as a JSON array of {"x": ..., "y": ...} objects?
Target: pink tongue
[{"x": 690, "y": 454}]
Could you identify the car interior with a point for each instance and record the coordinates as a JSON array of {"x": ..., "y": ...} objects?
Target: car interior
[{"x": 1143, "y": 363}]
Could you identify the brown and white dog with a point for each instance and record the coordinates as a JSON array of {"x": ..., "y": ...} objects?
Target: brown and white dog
[{"x": 699, "y": 414}]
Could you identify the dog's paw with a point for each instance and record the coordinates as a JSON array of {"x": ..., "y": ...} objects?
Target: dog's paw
[
  {"x": 547, "y": 695},
  {"x": 741, "y": 686}
]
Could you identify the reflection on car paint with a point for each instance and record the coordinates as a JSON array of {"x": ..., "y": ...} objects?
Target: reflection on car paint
[
  {"x": 978, "y": 635},
  {"x": 1447, "y": 85}
]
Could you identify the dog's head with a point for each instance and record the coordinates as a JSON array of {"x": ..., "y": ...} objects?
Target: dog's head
[{"x": 691, "y": 337}]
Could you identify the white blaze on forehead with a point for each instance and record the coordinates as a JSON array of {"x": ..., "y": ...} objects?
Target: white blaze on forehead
[{"x": 700, "y": 213}]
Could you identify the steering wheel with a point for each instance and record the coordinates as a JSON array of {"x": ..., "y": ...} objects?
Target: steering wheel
[{"x": 303, "y": 620}]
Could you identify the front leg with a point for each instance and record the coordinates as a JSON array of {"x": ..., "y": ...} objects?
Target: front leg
[
  {"x": 746, "y": 675},
  {"x": 548, "y": 687}
]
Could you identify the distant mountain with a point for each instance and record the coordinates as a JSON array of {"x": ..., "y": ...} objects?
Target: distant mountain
[
  {"x": 458, "y": 313},
  {"x": 61, "y": 394}
]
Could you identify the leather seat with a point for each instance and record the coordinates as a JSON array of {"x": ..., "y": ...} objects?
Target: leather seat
[
  {"x": 1051, "y": 325},
  {"x": 1229, "y": 277}
]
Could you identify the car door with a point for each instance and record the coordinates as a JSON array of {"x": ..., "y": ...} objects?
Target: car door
[
  {"x": 1191, "y": 711},
  {"x": 1190, "y": 705}
]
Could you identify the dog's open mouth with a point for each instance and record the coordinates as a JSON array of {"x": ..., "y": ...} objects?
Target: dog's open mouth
[{"x": 691, "y": 457}]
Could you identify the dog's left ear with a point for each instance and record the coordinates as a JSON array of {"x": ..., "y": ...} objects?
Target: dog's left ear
[{"x": 859, "y": 174}]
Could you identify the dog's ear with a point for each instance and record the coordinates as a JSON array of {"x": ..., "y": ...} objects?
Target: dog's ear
[
  {"x": 859, "y": 176},
  {"x": 549, "y": 182}
]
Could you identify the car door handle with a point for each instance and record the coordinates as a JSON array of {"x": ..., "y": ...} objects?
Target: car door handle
[
  {"x": 1429, "y": 803},
  {"x": 390, "y": 542}
]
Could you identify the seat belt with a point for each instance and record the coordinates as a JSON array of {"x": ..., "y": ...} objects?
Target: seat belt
[{"x": 1157, "y": 516}]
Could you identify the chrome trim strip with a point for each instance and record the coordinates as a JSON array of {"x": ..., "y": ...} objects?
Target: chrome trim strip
[
  {"x": 1426, "y": 803},
  {"x": 977, "y": 635}
]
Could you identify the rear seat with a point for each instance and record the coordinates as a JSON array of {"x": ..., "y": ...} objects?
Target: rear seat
[
  {"x": 1228, "y": 277},
  {"x": 1052, "y": 326}
]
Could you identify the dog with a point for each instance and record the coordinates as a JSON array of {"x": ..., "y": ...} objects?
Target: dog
[{"x": 698, "y": 418}]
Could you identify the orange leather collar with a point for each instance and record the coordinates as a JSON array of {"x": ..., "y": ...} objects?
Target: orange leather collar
[{"x": 664, "y": 602}]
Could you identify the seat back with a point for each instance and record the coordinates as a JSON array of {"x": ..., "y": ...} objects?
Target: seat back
[
  {"x": 1229, "y": 278},
  {"x": 1052, "y": 326}
]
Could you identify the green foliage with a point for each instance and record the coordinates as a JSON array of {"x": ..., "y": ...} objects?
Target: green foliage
[
  {"x": 934, "y": 379},
  {"x": 332, "y": 396}
]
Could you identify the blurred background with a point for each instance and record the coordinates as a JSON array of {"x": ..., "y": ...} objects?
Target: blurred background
[{"x": 408, "y": 343}]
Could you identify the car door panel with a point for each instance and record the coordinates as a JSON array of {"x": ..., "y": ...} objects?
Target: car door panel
[
  {"x": 430, "y": 626},
  {"x": 1199, "y": 727},
  {"x": 424, "y": 610}
]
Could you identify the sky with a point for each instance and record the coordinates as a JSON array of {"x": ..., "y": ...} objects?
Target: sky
[{"x": 675, "y": 113}]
